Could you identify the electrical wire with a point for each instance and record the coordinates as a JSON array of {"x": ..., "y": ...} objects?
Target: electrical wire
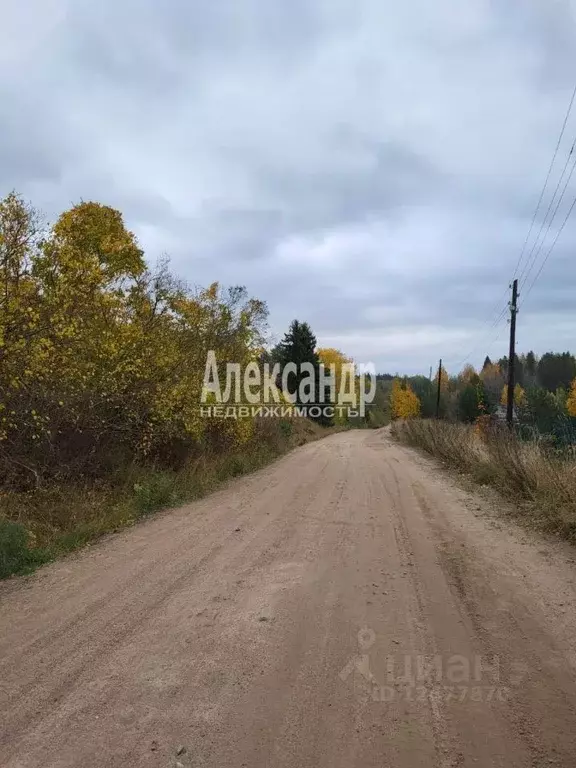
[
  {"x": 482, "y": 341},
  {"x": 536, "y": 251},
  {"x": 541, "y": 198},
  {"x": 550, "y": 250}
]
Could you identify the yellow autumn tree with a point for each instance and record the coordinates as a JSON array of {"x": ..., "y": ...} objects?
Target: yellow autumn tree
[
  {"x": 101, "y": 359},
  {"x": 404, "y": 403},
  {"x": 468, "y": 374},
  {"x": 444, "y": 380},
  {"x": 337, "y": 362},
  {"x": 333, "y": 359},
  {"x": 493, "y": 380},
  {"x": 519, "y": 396},
  {"x": 571, "y": 400},
  {"x": 342, "y": 367}
]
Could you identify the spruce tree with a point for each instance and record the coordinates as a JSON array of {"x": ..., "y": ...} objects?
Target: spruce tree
[{"x": 299, "y": 346}]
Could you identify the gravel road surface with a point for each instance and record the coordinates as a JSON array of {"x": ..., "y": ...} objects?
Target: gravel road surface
[{"x": 349, "y": 605}]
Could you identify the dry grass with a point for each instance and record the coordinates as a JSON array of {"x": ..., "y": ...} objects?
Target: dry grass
[{"x": 541, "y": 481}]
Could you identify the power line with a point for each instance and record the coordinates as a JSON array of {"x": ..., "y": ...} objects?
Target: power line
[
  {"x": 498, "y": 303},
  {"x": 487, "y": 346},
  {"x": 568, "y": 112},
  {"x": 535, "y": 252},
  {"x": 537, "y": 249},
  {"x": 489, "y": 325},
  {"x": 550, "y": 250},
  {"x": 481, "y": 343},
  {"x": 498, "y": 336}
]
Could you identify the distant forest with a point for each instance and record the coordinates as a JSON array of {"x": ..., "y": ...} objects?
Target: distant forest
[{"x": 545, "y": 392}]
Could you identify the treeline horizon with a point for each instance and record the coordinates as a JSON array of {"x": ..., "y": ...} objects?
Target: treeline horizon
[
  {"x": 549, "y": 370},
  {"x": 544, "y": 393}
]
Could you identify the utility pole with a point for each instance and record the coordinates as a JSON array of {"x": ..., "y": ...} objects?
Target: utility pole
[
  {"x": 439, "y": 389},
  {"x": 430, "y": 373},
  {"x": 512, "y": 355}
]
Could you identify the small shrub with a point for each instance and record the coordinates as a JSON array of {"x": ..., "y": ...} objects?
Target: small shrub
[
  {"x": 158, "y": 492},
  {"x": 233, "y": 466},
  {"x": 286, "y": 428},
  {"x": 16, "y": 555}
]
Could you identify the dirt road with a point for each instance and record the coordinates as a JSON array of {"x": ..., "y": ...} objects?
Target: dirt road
[{"x": 347, "y": 606}]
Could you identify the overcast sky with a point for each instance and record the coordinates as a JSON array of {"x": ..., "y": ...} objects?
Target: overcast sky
[{"x": 369, "y": 166}]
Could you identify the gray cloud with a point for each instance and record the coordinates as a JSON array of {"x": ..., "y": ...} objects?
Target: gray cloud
[{"x": 372, "y": 168}]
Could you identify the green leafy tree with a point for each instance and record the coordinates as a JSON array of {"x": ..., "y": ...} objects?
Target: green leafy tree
[
  {"x": 542, "y": 410},
  {"x": 493, "y": 381},
  {"x": 425, "y": 390},
  {"x": 378, "y": 411},
  {"x": 472, "y": 402}
]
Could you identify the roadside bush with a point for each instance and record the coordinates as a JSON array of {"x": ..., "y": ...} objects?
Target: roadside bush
[{"x": 101, "y": 359}]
